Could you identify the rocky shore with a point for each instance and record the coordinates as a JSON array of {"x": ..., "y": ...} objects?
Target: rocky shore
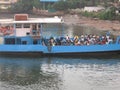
[{"x": 105, "y": 25}]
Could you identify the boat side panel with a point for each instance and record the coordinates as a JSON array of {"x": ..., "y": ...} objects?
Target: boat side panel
[
  {"x": 22, "y": 48},
  {"x": 80, "y": 49},
  {"x": 59, "y": 49}
]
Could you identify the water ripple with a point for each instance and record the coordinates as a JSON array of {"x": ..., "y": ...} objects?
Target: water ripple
[{"x": 59, "y": 74}]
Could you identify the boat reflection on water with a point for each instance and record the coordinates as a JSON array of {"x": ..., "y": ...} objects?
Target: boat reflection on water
[
  {"x": 52, "y": 73},
  {"x": 28, "y": 74}
]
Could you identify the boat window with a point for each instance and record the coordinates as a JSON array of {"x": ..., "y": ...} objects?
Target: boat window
[
  {"x": 24, "y": 42},
  {"x": 28, "y": 33},
  {"x": 18, "y": 40},
  {"x": 35, "y": 42},
  {"x": 26, "y": 25},
  {"x": 18, "y": 25},
  {"x": 39, "y": 26},
  {"x": 9, "y": 40}
]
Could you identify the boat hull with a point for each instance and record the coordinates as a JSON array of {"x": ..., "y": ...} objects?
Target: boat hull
[
  {"x": 66, "y": 51},
  {"x": 102, "y": 54},
  {"x": 107, "y": 54}
]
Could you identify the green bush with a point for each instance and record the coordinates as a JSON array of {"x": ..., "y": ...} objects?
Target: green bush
[
  {"x": 107, "y": 14},
  {"x": 24, "y": 6},
  {"x": 61, "y": 6},
  {"x": 89, "y": 14}
]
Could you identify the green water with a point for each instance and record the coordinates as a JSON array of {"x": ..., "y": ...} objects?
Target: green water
[
  {"x": 50, "y": 73},
  {"x": 63, "y": 30}
]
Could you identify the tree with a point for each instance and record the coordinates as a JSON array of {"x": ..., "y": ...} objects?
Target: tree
[
  {"x": 25, "y": 6},
  {"x": 61, "y": 5},
  {"x": 37, "y": 4},
  {"x": 69, "y": 4}
]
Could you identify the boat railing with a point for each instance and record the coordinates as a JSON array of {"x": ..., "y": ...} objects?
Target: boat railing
[{"x": 64, "y": 42}]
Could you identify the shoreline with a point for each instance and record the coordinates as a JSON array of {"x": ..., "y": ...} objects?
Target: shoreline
[
  {"x": 104, "y": 25},
  {"x": 77, "y": 20}
]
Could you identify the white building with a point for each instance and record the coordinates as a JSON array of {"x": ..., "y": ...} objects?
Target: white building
[
  {"x": 93, "y": 9},
  {"x": 4, "y": 4}
]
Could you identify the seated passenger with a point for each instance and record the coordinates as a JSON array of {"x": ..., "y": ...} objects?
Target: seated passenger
[
  {"x": 98, "y": 40},
  {"x": 109, "y": 40},
  {"x": 67, "y": 37},
  {"x": 68, "y": 40},
  {"x": 63, "y": 41},
  {"x": 52, "y": 41},
  {"x": 76, "y": 40},
  {"x": 58, "y": 41},
  {"x": 104, "y": 40}
]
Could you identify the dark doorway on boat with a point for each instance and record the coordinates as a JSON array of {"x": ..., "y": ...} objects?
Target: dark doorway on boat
[
  {"x": 18, "y": 41},
  {"x": 34, "y": 29},
  {"x": 35, "y": 42}
]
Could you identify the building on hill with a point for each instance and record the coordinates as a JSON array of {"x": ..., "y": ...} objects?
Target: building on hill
[
  {"x": 5, "y": 4},
  {"x": 93, "y": 9}
]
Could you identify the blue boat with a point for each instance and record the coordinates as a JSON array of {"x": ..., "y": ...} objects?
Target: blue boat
[{"x": 23, "y": 35}]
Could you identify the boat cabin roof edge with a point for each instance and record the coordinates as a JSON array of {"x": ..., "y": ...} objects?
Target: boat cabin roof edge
[{"x": 33, "y": 20}]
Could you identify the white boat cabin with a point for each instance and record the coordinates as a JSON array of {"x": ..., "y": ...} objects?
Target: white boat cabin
[{"x": 21, "y": 25}]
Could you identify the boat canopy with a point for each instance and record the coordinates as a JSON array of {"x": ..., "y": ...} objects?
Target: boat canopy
[
  {"x": 6, "y": 21},
  {"x": 33, "y": 20}
]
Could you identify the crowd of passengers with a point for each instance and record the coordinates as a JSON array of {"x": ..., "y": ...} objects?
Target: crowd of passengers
[{"x": 80, "y": 40}]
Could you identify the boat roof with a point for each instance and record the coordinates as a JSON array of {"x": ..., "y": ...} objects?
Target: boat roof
[{"x": 32, "y": 20}]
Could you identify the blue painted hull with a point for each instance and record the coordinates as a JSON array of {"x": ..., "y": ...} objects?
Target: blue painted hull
[
  {"x": 91, "y": 50},
  {"x": 29, "y": 39}
]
